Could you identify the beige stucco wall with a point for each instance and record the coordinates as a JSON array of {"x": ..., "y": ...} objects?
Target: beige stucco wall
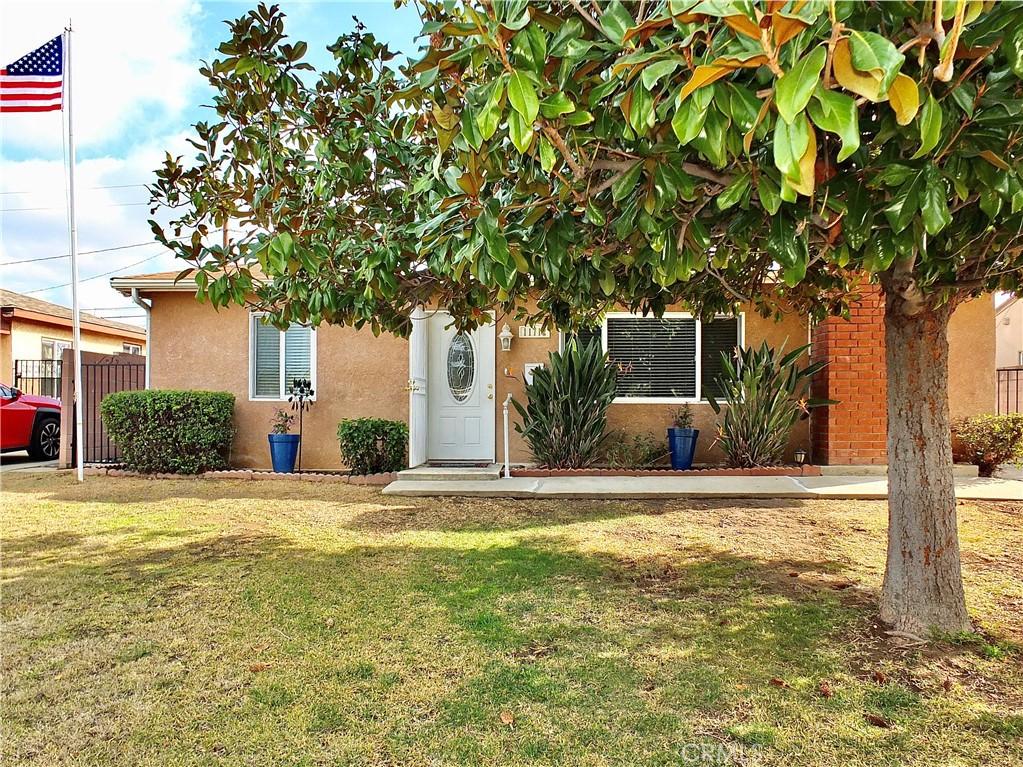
[
  {"x": 642, "y": 418},
  {"x": 357, "y": 375},
  {"x": 6, "y": 360},
  {"x": 971, "y": 358},
  {"x": 26, "y": 342}
]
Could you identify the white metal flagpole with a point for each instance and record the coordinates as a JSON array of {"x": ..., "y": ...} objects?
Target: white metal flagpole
[{"x": 73, "y": 233}]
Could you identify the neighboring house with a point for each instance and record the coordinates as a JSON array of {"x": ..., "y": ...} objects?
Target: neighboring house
[
  {"x": 31, "y": 330},
  {"x": 452, "y": 385},
  {"x": 1009, "y": 333}
]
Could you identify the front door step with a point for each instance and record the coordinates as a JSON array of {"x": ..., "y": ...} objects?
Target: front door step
[{"x": 451, "y": 473}]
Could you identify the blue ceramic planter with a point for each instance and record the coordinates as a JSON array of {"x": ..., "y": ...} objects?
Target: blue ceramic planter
[
  {"x": 283, "y": 451},
  {"x": 682, "y": 443}
]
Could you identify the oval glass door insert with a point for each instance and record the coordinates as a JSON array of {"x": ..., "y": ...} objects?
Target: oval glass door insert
[{"x": 461, "y": 367}]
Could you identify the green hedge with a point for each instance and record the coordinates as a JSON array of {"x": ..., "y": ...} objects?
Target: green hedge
[
  {"x": 178, "y": 432},
  {"x": 372, "y": 445},
  {"x": 988, "y": 441}
]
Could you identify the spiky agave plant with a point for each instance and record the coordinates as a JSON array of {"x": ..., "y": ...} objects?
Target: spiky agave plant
[
  {"x": 565, "y": 419},
  {"x": 764, "y": 390}
]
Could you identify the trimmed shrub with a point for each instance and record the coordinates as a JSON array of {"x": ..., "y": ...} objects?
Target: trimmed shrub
[
  {"x": 987, "y": 441},
  {"x": 174, "y": 432},
  {"x": 372, "y": 445},
  {"x": 565, "y": 418}
]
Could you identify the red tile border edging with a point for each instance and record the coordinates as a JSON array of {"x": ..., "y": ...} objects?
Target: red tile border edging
[
  {"x": 765, "y": 471},
  {"x": 385, "y": 478}
]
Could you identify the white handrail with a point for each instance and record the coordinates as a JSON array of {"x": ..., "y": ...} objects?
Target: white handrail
[{"x": 507, "y": 460}]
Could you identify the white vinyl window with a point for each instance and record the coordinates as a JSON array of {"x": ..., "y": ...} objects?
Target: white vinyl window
[
  {"x": 670, "y": 359},
  {"x": 277, "y": 358},
  {"x": 128, "y": 348}
]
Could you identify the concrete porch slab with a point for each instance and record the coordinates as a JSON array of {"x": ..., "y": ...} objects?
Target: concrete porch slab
[
  {"x": 833, "y": 487},
  {"x": 451, "y": 473}
]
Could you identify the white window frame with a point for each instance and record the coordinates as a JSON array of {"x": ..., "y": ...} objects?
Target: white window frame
[
  {"x": 130, "y": 348},
  {"x": 698, "y": 399},
  {"x": 255, "y": 317}
]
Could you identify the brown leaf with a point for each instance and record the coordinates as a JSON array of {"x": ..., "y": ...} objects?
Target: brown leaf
[
  {"x": 255, "y": 668},
  {"x": 780, "y": 683},
  {"x": 793, "y": 574},
  {"x": 824, "y": 688},
  {"x": 880, "y": 677},
  {"x": 507, "y": 717},
  {"x": 877, "y": 721},
  {"x": 947, "y": 685}
]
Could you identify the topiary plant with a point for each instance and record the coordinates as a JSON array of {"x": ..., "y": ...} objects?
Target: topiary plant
[
  {"x": 988, "y": 441},
  {"x": 372, "y": 445},
  {"x": 180, "y": 432},
  {"x": 565, "y": 419},
  {"x": 764, "y": 390}
]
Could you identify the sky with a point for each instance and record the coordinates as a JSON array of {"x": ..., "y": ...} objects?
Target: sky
[{"x": 137, "y": 92}]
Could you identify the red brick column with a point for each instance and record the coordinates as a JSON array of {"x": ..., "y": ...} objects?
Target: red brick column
[{"x": 854, "y": 431}]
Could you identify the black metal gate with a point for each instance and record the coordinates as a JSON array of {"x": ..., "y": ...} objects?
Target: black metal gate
[
  {"x": 38, "y": 377},
  {"x": 99, "y": 379},
  {"x": 1009, "y": 381}
]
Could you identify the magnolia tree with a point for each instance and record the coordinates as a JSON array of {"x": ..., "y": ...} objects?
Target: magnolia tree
[{"x": 572, "y": 156}]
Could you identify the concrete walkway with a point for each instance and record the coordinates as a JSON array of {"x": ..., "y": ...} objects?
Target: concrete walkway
[{"x": 854, "y": 487}]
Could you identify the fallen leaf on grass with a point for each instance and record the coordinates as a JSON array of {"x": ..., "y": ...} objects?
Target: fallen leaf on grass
[
  {"x": 824, "y": 688},
  {"x": 880, "y": 677},
  {"x": 947, "y": 685},
  {"x": 780, "y": 683},
  {"x": 255, "y": 668},
  {"x": 508, "y": 718},
  {"x": 877, "y": 721}
]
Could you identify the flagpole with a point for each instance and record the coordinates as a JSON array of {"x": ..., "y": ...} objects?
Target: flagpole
[{"x": 73, "y": 234}]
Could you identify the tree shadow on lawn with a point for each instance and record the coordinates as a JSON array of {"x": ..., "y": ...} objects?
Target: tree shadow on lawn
[{"x": 419, "y": 646}]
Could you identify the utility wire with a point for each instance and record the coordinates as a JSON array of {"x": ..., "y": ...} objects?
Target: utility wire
[
  {"x": 97, "y": 276},
  {"x": 81, "y": 253},
  {"x": 57, "y": 207},
  {"x": 47, "y": 191}
]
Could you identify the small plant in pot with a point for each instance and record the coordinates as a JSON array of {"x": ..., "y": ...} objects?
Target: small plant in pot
[
  {"x": 283, "y": 444},
  {"x": 682, "y": 438}
]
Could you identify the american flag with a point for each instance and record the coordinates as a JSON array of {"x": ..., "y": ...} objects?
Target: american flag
[{"x": 35, "y": 82}]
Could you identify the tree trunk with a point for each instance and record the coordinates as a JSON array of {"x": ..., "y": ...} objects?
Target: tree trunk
[{"x": 923, "y": 586}]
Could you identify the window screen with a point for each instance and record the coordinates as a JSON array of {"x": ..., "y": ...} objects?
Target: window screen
[
  {"x": 271, "y": 348},
  {"x": 716, "y": 337},
  {"x": 655, "y": 357}
]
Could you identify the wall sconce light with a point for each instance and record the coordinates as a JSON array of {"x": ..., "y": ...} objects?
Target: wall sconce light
[
  {"x": 800, "y": 456},
  {"x": 506, "y": 338}
]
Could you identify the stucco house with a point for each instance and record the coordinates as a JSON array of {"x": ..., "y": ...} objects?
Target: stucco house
[
  {"x": 449, "y": 387},
  {"x": 32, "y": 329}
]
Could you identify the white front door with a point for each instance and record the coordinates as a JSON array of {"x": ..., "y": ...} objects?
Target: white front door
[{"x": 460, "y": 392}]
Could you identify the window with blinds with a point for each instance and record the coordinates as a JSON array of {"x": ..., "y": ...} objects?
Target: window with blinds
[
  {"x": 657, "y": 358},
  {"x": 278, "y": 358}
]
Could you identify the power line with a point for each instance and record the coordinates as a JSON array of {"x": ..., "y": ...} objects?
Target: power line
[
  {"x": 97, "y": 276},
  {"x": 47, "y": 191},
  {"x": 61, "y": 207},
  {"x": 81, "y": 253}
]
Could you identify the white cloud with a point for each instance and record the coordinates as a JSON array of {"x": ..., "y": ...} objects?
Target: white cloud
[
  {"x": 104, "y": 221},
  {"x": 130, "y": 59}
]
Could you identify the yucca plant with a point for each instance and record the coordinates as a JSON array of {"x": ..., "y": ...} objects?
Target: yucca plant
[
  {"x": 565, "y": 420},
  {"x": 764, "y": 391}
]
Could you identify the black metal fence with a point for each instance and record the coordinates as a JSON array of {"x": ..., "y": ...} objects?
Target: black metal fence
[
  {"x": 98, "y": 380},
  {"x": 1009, "y": 383},
  {"x": 38, "y": 377}
]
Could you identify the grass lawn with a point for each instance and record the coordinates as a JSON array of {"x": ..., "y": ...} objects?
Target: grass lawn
[{"x": 282, "y": 623}]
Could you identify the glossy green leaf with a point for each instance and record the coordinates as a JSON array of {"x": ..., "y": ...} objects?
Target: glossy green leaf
[
  {"x": 691, "y": 114},
  {"x": 522, "y": 95},
  {"x": 520, "y": 131},
  {"x": 556, "y": 105},
  {"x": 793, "y": 90},
  {"x": 935, "y": 210},
  {"x": 906, "y": 203},
  {"x": 836, "y": 113},
  {"x": 929, "y": 122},
  {"x": 653, "y": 73},
  {"x": 616, "y": 21},
  {"x": 876, "y": 54},
  {"x": 790, "y": 143}
]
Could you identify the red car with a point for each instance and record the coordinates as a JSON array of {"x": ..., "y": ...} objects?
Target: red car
[{"x": 28, "y": 422}]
